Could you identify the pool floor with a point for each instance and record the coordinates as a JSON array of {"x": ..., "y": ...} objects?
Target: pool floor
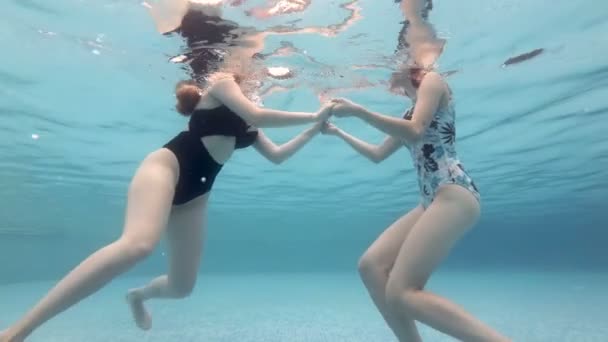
[{"x": 527, "y": 306}]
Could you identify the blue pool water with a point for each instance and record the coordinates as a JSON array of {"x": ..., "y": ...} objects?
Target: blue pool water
[{"x": 86, "y": 93}]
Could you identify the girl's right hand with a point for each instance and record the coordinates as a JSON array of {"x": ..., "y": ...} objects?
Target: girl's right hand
[{"x": 324, "y": 112}]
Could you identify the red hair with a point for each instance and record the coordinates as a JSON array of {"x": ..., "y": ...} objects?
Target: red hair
[{"x": 188, "y": 95}]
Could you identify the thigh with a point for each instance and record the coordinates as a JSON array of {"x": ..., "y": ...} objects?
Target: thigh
[
  {"x": 386, "y": 247},
  {"x": 185, "y": 237},
  {"x": 149, "y": 200},
  {"x": 449, "y": 216}
]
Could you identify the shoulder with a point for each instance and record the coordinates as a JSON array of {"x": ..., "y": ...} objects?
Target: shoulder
[
  {"x": 432, "y": 80},
  {"x": 220, "y": 76},
  {"x": 434, "y": 84},
  {"x": 221, "y": 80}
]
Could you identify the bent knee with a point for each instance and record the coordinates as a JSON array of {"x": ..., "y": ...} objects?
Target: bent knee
[
  {"x": 370, "y": 267},
  {"x": 366, "y": 266},
  {"x": 137, "y": 248},
  {"x": 182, "y": 288}
]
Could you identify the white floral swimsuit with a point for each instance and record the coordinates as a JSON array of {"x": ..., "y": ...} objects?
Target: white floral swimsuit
[{"x": 435, "y": 157}]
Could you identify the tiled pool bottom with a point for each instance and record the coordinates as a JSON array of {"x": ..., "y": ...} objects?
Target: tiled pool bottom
[{"x": 527, "y": 306}]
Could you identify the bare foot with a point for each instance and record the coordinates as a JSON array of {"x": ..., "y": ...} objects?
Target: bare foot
[{"x": 138, "y": 310}]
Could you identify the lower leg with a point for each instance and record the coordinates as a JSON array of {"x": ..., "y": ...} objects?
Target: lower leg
[
  {"x": 88, "y": 277},
  {"x": 160, "y": 287},
  {"x": 375, "y": 266},
  {"x": 375, "y": 281},
  {"x": 446, "y": 316},
  {"x": 185, "y": 237}
]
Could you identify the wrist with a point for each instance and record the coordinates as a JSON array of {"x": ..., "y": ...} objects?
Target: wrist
[{"x": 360, "y": 112}]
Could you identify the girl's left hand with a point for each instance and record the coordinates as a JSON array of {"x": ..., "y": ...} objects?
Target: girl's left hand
[
  {"x": 344, "y": 107},
  {"x": 318, "y": 126},
  {"x": 324, "y": 112},
  {"x": 329, "y": 129}
]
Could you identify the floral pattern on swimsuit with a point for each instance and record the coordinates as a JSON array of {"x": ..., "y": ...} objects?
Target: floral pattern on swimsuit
[{"x": 435, "y": 157}]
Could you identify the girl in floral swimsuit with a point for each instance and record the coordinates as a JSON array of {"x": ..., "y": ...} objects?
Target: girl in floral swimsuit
[
  {"x": 434, "y": 156},
  {"x": 397, "y": 266}
]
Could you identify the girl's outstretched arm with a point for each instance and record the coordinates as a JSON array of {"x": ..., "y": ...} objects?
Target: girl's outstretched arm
[
  {"x": 429, "y": 96},
  {"x": 375, "y": 153},
  {"x": 280, "y": 153},
  {"x": 228, "y": 92}
]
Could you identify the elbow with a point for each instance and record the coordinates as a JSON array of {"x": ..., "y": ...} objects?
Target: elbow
[
  {"x": 376, "y": 158},
  {"x": 414, "y": 135},
  {"x": 277, "y": 160}
]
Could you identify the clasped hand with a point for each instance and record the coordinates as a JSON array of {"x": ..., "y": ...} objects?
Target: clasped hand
[{"x": 338, "y": 107}]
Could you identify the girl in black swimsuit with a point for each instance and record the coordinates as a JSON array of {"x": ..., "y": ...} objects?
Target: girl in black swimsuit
[{"x": 171, "y": 188}]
